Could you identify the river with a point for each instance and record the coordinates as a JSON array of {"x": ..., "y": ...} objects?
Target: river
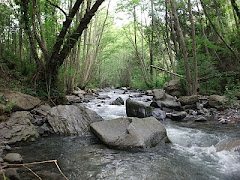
[{"x": 191, "y": 156}]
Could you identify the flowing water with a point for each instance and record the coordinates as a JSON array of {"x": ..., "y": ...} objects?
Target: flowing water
[{"x": 192, "y": 154}]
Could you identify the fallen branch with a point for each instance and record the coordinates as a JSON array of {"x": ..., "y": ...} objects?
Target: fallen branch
[
  {"x": 161, "y": 69},
  {"x": 35, "y": 163}
]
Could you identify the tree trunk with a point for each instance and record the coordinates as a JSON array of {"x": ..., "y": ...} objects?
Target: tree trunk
[
  {"x": 195, "y": 81},
  {"x": 183, "y": 46}
]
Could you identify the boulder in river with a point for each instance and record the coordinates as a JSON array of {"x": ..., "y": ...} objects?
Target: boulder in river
[
  {"x": 189, "y": 100},
  {"x": 178, "y": 116},
  {"x": 130, "y": 133},
  {"x": 174, "y": 88},
  {"x": 118, "y": 101},
  {"x": 159, "y": 94},
  {"x": 159, "y": 114},
  {"x": 22, "y": 102},
  {"x": 217, "y": 101},
  {"x": 136, "y": 109},
  {"x": 18, "y": 128},
  {"x": 71, "y": 119}
]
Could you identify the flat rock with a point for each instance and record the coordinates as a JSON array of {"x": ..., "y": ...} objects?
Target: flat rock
[
  {"x": 18, "y": 128},
  {"x": 130, "y": 133},
  {"x": 22, "y": 102},
  {"x": 13, "y": 158},
  {"x": 71, "y": 119}
]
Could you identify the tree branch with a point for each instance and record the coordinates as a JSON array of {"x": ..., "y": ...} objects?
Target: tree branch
[
  {"x": 56, "y": 6},
  {"x": 161, "y": 69}
]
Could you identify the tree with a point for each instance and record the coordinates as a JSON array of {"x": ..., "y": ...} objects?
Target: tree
[{"x": 65, "y": 41}]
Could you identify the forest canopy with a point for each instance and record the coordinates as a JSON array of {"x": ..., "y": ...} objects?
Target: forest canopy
[{"x": 55, "y": 46}]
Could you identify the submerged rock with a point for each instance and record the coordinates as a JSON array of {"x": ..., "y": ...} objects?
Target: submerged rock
[
  {"x": 18, "y": 128},
  {"x": 71, "y": 119},
  {"x": 136, "y": 109},
  {"x": 13, "y": 158},
  {"x": 130, "y": 133},
  {"x": 229, "y": 145},
  {"x": 12, "y": 174}
]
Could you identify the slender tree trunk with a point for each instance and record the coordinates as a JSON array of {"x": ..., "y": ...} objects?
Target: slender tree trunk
[
  {"x": 183, "y": 46},
  {"x": 218, "y": 34},
  {"x": 195, "y": 81}
]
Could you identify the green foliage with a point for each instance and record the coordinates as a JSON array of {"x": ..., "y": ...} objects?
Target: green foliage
[{"x": 232, "y": 92}]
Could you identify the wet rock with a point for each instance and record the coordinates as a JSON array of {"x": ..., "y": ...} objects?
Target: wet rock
[
  {"x": 201, "y": 119},
  {"x": 103, "y": 97},
  {"x": 174, "y": 88},
  {"x": 217, "y": 101},
  {"x": 12, "y": 174},
  {"x": 135, "y": 109},
  {"x": 71, "y": 119},
  {"x": 149, "y": 93},
  {"x": 73, "y": 99},
  {"x": 171, "y": 102},
  {"x": 156, "y": 104},
  {"x": 178, "y": 116},
  {"x": 1, "y": 160},
  {"x": 130, "y": 133},
  {"x": 7, "y": 147},
  {"x": 189, "y": 100},
  {"x": 118, "y": 101},
  {"x": 229, "y": 145},
  {"x": 45, "y": 130},
  {"x": 78, "y": 92},
  {"x": 1, "y": 151},
  {"x": 22, "y": 102},
  {"x": 159, "y": 94},
  {"x": 159, "y": 114},
  {"x": 13, "y": 158},
  {"x": 18, "y": 128}
]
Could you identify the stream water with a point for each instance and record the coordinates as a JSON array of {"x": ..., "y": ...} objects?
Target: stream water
[{"x": 192, "y": 154}]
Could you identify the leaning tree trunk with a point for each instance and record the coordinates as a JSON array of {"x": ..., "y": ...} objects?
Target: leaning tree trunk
[{"x": 183, "y": 46}]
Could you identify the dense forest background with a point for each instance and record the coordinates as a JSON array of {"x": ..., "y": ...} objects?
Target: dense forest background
[{"x": 54, "y": 46}]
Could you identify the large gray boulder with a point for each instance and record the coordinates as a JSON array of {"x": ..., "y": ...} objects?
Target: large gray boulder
[
  {"x": 174, "y": 88},
  {"x": 130, "y": 133},
  {"x": 22, "y": 102},
  {"x": 217, "y": 101},
  {"x": 136, "y": 109},
  {"x": 18, "y": 128},
  {"x": 71, "y": 119}
]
